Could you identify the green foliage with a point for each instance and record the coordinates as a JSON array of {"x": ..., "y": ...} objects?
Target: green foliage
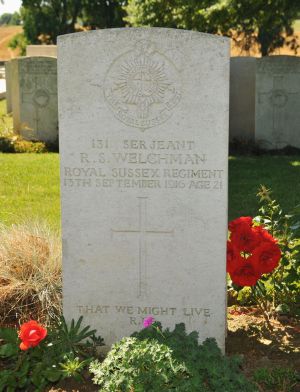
[
  {"x": 183, "y": 14},
  {"x": 276, "y": 379},
  {"x": 139, "y": 365},
  {"x": 71, "y": 337},
  {"x": 10, "y": 19},
  {"x": 6, "y": 144},
  {"x": 155, "y": 360},
  {"x": 282, "y": 288},
  {"x": 102, "y": 14},
  {"x": 23, "y": 146},
  {"x": 56, "y": 357},
  {"x": 73, "y": 367},
  {"x": 268, "y": 23},
  {"x": 44, "y": 20},
  {"x": 19, "y": 145},
  {"x": 19, "y": 41}
]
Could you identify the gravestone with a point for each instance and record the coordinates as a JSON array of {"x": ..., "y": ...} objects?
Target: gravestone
[
  {"x": 8, "y": 86},
  {"x": 277, "y": 114},
  {"x": 143, "y": 139},
  {"x": 242, "y": 99},
  {"x": 41, "y": 50},
  {"x": 34, "y": 98}
]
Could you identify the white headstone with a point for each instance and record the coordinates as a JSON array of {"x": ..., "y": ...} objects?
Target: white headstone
[
  {"x": 143, "y": 139},
  {"x": 34, "y": 98},
  {"x": 41, "y": 50},
  {"x": 8, "y": 86},
  {"x": 277, "y": 114}
]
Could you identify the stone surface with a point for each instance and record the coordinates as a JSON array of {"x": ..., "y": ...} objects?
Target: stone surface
[
  {"x": 41, "y": 50},
  {"x": 143, "y": 139},
  {"x": 34, "y": 98},
  {"x": 8, "y": 86},
  {"x": 242, "y": 98},
  {"x": 2, "y": 89},
  {"x": 277, "y": 114}
]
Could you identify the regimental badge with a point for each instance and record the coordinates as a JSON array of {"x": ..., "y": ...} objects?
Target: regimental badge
[{"x": 142, "y": 86}]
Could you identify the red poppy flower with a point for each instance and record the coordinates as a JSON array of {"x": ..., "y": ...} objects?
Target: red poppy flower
[
  {"x": 264, "y": 235},
  {"x": 246, "y": 272},
  {"x": 267, "y": 256},
  {"x": 31, "y": 333},
  {"x": 233, "y": 225},
  {"x": 245, "y": 238},
  {"x": 233, "y": 255}
]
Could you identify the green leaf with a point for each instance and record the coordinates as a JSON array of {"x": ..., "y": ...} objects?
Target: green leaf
[
  {"x": 8, "y": 350},
  {"x": 37, "y": 377},
  {"x": 52, "y": 374},
  {"x": 24, "y": 368},
  {"x": 9, "y": 335},
  {"x": 8, "y": 381}
]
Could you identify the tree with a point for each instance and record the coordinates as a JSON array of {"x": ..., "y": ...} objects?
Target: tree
[
  {"x": 265, "y": 22},
  {"x": 44, "y": 20},
  {"x": 10, "y": 19},
  {"x": 5, "y": 19},
  {"x": 184, "y": 14},
  {"x": 19, "y": 42},
  {"x": 103, "y": 14}
]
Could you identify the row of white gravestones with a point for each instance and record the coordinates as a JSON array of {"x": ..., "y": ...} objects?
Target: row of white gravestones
[
  {"x": 265, "y": 100},
  {"x": 144, "y": 178},
  {"x": 32, "y": 97}
]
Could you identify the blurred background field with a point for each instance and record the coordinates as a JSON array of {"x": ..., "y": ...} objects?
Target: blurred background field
[{"x": 6, "y": 34}]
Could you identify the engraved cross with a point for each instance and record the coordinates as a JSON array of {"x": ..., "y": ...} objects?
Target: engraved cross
[
  {"x": 143, "y": 232},
  {"x": 278, "y": 98},
  {"x": 37, "y": 102}
]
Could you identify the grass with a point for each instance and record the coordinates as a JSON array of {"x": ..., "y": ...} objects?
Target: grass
[
  {"x": 280, "y": 173},
  {"x": 29, "y": 189},
  {"x": 29, "y": 185},
  {"x": 282, "y": 378},
  {"x": 30, "y": 273}
]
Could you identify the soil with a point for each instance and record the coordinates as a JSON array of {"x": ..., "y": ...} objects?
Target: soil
[
  {"x": 262, "y": 348},
  {"x": 248, "y": 337}
]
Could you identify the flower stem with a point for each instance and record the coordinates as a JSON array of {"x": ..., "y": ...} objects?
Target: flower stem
[{"x": 263, "y": 307}]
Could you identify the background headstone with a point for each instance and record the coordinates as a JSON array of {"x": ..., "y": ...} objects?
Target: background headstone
[
  {"x": 41, "y": 50},
  {"x": 143, "y": 139},
  {"x": 277, "y": 115},
  {"x": 242, "y": 98},
  {"x": 8, "y": 86},
  {"x": 34, "y": 98},
  {"x": 15, "y": 93}
]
